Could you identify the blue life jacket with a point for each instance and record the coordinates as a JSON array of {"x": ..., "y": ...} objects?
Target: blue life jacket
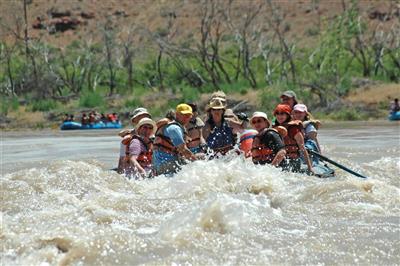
[{"x": 221, "y": 139}]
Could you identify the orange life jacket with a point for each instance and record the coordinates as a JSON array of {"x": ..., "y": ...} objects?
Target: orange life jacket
[
  {"x": 291, "y": 147},
  {"x": 261, "y": 152},
  {"x": 144, "y": 158},
  {"x": 164, "y": 143}
]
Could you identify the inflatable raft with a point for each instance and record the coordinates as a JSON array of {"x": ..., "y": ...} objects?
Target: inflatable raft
[
  {"x": 100, "y": 125},
  {"x": 394, "y": 116},
  {"x": 320, "y": 169}
]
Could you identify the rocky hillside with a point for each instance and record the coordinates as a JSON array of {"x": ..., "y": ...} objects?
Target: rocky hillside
[{"x": 60, "y": 22}]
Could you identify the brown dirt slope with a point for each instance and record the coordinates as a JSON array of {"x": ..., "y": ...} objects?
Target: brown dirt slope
[{"x": 300, "y": 15}]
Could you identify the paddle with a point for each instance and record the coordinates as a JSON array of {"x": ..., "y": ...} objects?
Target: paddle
[{"x": 335, "y": 163}]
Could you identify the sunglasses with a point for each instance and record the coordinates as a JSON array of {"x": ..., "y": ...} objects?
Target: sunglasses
[
  {"x": 256, "y": 121},
  {"x": 147, "y": 127}
]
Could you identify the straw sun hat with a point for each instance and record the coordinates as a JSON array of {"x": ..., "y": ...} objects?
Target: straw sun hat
[
  {"x": 217, "y": 103},
  {"x": 146, "y": 121}
]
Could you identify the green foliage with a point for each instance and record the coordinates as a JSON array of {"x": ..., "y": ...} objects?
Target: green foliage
[
  {"x": 189, "y": 94},
  {"x": 43, "y": 105},
  {"x": 91, "y": 99},
  {"x": 269, "y": 98},
  {"x": 8, "y": 104},
  {"x": 346, "y": 114},
  {"x": 133, "y": 102}
]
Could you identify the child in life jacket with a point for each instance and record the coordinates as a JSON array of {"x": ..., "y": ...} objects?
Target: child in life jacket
[
  {"x": 294, "y": 141},
  {"x": 139, "y": 150}
]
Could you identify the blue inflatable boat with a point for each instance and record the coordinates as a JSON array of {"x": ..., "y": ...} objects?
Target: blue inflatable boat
[
  {"x": 394, "y": 116},
  {"x": 99, "y": 125}
]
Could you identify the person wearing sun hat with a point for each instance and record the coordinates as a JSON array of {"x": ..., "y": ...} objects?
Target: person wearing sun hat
[
  {"x": 311, "y": 126},
  {"x": 126, "y": 135},
  {"x": 294, "y": 140},
  {"x": 219, "y": 132},
  {"x": 138, "y": 114},
  {"x": 229, "y": 114},
  {"x": 289, "y": 98},
  {"x": 267, "y": 147},
  {"x": 138, "y": 153},
  {"x": 170, "y": 149}
]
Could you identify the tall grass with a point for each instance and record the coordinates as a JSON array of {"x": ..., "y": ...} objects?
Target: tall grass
[
  {"x": 91, "y": 99},
  {"x": 43, "y": 105}
]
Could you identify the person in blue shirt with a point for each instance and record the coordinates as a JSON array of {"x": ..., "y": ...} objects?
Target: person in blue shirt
[{"x": 170, "y": 150}]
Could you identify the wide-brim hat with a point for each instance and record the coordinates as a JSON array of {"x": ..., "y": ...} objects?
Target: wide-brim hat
[
  {"x": 124, "y": 132},
  {"x": 230, "y": 115},
  {"x": 146, "y": 121},
  {"x": 218, "y": 94},
  {"x": 139, "y": 111},
  {"x": 217, "y": 103},
  {"x": 259, "y": 114}
]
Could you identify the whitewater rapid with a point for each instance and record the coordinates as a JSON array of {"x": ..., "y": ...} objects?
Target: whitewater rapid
[{"x": 220, "y": 212}]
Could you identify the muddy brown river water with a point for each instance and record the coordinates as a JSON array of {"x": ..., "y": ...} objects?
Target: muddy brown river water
[{"x": 60, "y": 205}]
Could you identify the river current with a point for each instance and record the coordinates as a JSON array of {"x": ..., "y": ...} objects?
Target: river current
[{"x": 61, "y": 205}]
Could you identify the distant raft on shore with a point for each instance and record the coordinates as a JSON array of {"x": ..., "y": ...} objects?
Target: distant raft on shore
[{"x": 99, "y": 125}]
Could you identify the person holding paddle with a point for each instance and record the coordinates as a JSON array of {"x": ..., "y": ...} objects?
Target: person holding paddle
[
  {"x": 310, "y": 125},
  {"x": 294, "y": 141}
]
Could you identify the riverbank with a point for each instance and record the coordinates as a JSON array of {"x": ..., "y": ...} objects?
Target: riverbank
[
  {"x": 23, "y": 119},
  {"x": 369, "y": 102}
]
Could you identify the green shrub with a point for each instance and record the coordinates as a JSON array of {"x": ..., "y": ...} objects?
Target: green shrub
[
  {"x": 4, "y": 107},
  {"x": 189, "y": 94},
  {"x": 91, "y": 99},
  {"x": 14, "y": 104},
  {"x": 9, "y": 104},
  {"x": 243, "y": 91},
  {"x": 134, "y": 102},
  {"x": 269, "y": 99},
  {"x": 43, "y": 105},
  {"x": 347, "y": 114}
]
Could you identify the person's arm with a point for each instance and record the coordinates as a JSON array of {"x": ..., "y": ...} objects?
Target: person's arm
[
  {"x": 136, "y": 165},
  {"x": 276, "y": 143},
  {"x": 134, "y": 152},
  {"x": 185, "y": 152},
  {"x": 206, "y": 131},
  {"x": 177, "y": 137},
  {"x": 313, "y": 135},
  {"x": 279, "y": 157},
  {"x": 300, "y": 142}
]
